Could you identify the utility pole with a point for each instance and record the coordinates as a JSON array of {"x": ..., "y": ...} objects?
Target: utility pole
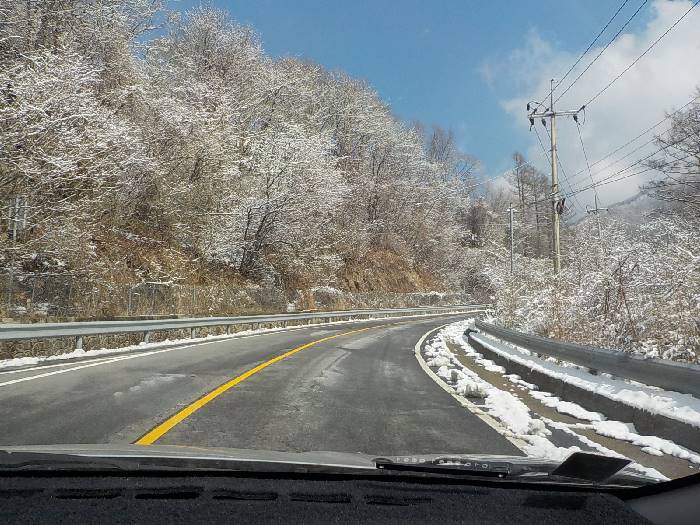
[
  {"x": 557, "y": 201},
  {"x": 16, "y": 220},
  {"x": 555, "y": 181},
  {"x": 510, "y": 211},
  {"x": 597, "y": 210}
]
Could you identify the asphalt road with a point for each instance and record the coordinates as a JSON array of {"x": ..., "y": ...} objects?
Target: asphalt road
[{"x": 357, "y": 392}]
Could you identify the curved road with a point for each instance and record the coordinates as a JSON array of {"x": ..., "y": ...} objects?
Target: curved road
[{"x": 357, "y": 388}]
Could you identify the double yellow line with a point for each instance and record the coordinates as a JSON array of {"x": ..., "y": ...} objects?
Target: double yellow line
[{"x": 156, "y": 433}]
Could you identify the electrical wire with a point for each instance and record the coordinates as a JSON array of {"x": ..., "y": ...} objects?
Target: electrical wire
[
  {"x": 599, "y": 93},
  {"x": 638, "y": 161},
  {"x": 558, "y": 82},
  {"x": 565, "y": 178},
  {"x": 585, "y": 156},
  {"x": 603, "y": 168},
  {"x": 610, "y": 179},
  {"x": 603, "y": 50}
]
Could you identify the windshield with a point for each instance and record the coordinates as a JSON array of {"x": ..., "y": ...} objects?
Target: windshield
[{"x": 396, "y": 229}]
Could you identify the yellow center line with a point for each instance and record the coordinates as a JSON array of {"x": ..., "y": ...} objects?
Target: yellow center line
[{"x": 156, "y": 433}]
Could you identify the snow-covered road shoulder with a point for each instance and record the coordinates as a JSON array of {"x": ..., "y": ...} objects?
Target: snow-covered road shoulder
[
  {"x": 500, "y": 409},
  {"x": 512, "y": 403},
  {"x": 674, "y": 405}
]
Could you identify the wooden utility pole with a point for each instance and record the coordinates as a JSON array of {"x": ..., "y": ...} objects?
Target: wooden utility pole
[
  {"x": 548, "y": 112},
  {"x": 597, "y": 211},
  {"x": 510, "y": 212}
]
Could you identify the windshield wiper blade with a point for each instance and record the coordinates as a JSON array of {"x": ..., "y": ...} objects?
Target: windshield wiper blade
[
  {"x": 448, "y": 465},
  {"x": 579, "y": 467}
]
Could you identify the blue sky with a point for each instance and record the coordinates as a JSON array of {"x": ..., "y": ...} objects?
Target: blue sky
[{"x": 448, "y": 62}]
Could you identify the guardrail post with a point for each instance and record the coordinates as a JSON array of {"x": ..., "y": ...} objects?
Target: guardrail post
[
  {"x": 79, "y": 342},
  {"x": 228, "y": 329},
  {"x": 191, "y": 333},
  {"x": 146, "y": 336}
]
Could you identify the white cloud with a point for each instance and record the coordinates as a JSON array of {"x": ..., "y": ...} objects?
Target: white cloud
[{"x": 663, "y": 80}]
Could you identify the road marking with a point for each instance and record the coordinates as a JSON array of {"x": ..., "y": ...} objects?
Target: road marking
[
  {"x": 486, "y": 418},
  {"x": 156, "y": 433},
  {"x": 80, "y": 367}
]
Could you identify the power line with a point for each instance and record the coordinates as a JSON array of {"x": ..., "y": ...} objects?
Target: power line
[
  {"x": 588, "y": 164},
  {"x": 548, "y": 158},
  {"x": 591, "y": 44},
  {"x": 642, "y": 55},
  {"x": 634, "y": 139},
  {"x": 603, "y": 50},
  {"x": 637, "y": 162},
  {"x": 588, "y": 48},
  {"x": 610, "y": 179}
]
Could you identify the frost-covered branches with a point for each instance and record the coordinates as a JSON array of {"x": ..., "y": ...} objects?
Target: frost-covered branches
[
  {"x": 679, "y": 162},
  {"x": 198, "y": 141}
]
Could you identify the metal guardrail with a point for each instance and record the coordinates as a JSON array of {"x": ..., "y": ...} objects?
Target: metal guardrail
[
  {"x": 679, "y": 377},
  {"x": 78, "y": 330}
]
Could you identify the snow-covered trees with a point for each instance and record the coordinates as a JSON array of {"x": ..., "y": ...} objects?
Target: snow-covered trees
[
  {"x": 679, "y": 161},
  {"x": 636, "y": 288},
  {"x": 144, "y": 157}
]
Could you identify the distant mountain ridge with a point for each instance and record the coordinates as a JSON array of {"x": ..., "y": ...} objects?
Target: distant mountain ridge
[{"x": 634, "y": 209}]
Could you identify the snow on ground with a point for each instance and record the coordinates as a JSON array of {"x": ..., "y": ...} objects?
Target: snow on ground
[
  {"x": 516, "y": 379},
  {"x": 604, "y": 450},
  {"x": 654, "y": 444},
  {"x": 516, "y": 416},
  {"x": 566, "y": 407},
  {"x": 682, "y": 407},
  {"x": 501, "y": 405}
]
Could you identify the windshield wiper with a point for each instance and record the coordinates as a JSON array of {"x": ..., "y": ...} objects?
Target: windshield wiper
[
  {"x": 578, "y": 467},
  {"x": 447, "y": 465}
]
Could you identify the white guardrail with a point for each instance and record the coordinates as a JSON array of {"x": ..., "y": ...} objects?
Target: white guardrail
[{"x": 78, "y": 330}]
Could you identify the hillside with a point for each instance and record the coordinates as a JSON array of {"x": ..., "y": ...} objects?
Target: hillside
[{"x": 189, "y": 170}]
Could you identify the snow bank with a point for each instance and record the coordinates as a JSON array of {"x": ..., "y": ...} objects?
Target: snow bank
[
  {"x": 515, "y": 378},
  {"x": 655, "y": 445},
  {"x": 517, "y": 418},
  {"x": 651, "y": 472},
  {"x": 682, "y": 407},
  {"x": 514, "y": 415},
  {"x": 566, "y": 407}
]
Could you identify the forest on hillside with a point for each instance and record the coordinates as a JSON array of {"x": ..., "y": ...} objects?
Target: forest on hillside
[
  {"x": 153, "y": 158},
  {"x": 187, "y": 155}
]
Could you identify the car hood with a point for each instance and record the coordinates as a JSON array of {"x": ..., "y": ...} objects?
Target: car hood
[
  {"x": 319, "y": 458},
  {"x": 127, "y": 457}
]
